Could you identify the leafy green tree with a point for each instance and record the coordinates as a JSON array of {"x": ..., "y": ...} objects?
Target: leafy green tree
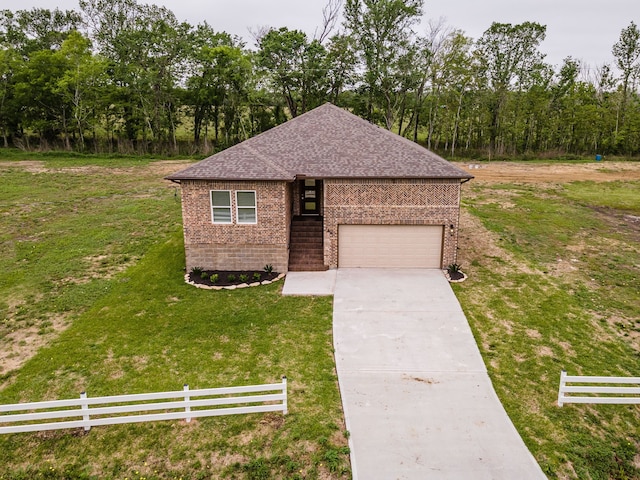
[
  {"x": 147, "y": 48},
  {"x": 37, "y": 29},
  {"x": 208, "y": 60},
  {"x": 82, "y": 85},
  {"x": 627, "y": 56},
  {"x": 9, "y": 109},
  {"x": 219, "y": 87},
  {"x": 382, "y": 31},
  {"x": 43, "y": 107},
  {"x": 295, "y": 67},
  {"x": 508, "y": 56},
  {"x": 341, "y": 62},
  {"x": 29, "y": 67}
]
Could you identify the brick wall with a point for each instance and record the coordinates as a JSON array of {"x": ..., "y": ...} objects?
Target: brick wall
[
  {"x": 346, "y": 202},
  {"x": 391, "y": 202},
  {"x": 237, "y": 247}
]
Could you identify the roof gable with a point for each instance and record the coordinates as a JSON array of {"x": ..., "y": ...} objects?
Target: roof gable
[{"x": 327, "y": 142}]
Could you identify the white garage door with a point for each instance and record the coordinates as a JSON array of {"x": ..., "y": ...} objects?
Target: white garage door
[{"x": 390, "y": 246}]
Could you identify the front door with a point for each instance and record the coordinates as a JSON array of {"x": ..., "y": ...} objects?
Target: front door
[{"x": 311, "y": 193}]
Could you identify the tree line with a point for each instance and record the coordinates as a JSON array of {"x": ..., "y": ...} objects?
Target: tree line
[{"x": 120, "y": 76}]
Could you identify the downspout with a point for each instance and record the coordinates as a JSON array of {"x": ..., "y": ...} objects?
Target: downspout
[{"x": 465, "y": 180}]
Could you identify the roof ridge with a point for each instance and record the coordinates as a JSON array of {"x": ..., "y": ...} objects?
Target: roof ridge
[
  {"x": 282, "y": 125},
  {"x": 414, "y": 145},
  {"x": 266, "y": 161}
]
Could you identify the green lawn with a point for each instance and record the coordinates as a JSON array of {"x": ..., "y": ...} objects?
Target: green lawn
[
  {"x": 93, "y": 273},
  {"x": 101, "y": 250},
  {"x": 554, "y": 285}
]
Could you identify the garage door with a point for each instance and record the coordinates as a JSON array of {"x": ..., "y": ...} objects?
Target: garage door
[{"x": 390, "y": 246}]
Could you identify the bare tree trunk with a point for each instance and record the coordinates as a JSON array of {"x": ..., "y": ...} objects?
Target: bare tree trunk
[{"x": 456, "y": 124}]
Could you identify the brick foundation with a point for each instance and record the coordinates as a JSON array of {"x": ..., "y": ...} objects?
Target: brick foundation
[{"x": 237, "y": 257}]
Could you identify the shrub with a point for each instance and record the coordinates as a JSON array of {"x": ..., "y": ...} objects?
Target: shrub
[
  {"x": 268, "y": 268},
  {"x": 257, "y": 277},
  {"x": 214, "y": 278},
  {"x": 453, "y": 268},
  {"x": 204, "y": 275},
  {"x": 231, "y": 277},
  {"x": 244, "y": 278},
  {"x": 197, "y": 271}
]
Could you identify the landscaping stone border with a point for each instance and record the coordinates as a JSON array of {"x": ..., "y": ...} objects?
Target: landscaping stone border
[
  {"x": 233, "y": 287},
  {"x": 460, "y": 280}
]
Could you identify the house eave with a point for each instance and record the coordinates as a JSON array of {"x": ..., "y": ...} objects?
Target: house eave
[
  {"x": 228, "y": 179},
  {"x": 462, "y": 178}
]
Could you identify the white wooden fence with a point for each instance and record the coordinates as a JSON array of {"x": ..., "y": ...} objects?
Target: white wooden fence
[
  {"x": 185, "y": 404},
  {"x": 597, "y": 392}
]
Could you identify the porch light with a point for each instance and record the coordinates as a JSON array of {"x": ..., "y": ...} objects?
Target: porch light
[{"x": 451, "y": 229}]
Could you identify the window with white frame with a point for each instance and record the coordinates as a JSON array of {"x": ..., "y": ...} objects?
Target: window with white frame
[
  {"x": 221, "y": 206},
  {"x": 246, "y": 207}
]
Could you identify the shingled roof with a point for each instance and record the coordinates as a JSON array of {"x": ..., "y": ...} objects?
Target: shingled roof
[{"x": 327, "y": 142}]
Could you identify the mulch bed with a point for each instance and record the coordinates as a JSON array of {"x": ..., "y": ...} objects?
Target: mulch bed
[
  {"x": 224, "y": 280},
  {"x": 453, "y": 276}
]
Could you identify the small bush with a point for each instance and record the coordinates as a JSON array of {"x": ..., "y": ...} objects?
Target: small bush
[
  {"x": 244, "y": 278},
  {"x": 268, "y": 268},
  {"x": 197, "y": 271},
  {"x": 454, "y": 268},
  {"x": 231, "y": 277},
  {"x": 214, "y": 278},
  {"x": 204, "y": 275},
  {"x": 257, "y": 276}
]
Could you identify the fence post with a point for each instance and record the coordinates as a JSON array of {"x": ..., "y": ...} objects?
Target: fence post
[
  {"x": 284, "y": 390},
  {"x": 563, "y": 383},
  {"x": 187, "y": 399},
  {"x": 85, "y": 408}
]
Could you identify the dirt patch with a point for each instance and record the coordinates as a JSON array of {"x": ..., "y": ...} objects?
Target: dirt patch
[
  {"x": 31, "y": 166},
  {"x": 522, "y": 172},
  {"x": 619, "y": 221},
  {"x": 477, "y": 244},
  {"x": 167, "y": 167},
  {"x": 544, "y": 351},
  {"x": 531, "y": 333},
  {"x": 160, "y": 168},
  {"x": 626, "y": 328},
  {"x": 20, "y": 345},
  {"x": 568, "y": 349}
]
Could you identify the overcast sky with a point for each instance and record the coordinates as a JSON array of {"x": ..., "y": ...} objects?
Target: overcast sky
[{"x": 583, "y": 29}]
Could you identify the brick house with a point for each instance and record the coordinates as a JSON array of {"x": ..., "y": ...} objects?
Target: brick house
[{"x": 324, "y": 190}]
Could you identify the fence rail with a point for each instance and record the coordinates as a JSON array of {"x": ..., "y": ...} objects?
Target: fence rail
[
  {"x": 86, "y": 412},
  {"x": 596, "y": 392}
]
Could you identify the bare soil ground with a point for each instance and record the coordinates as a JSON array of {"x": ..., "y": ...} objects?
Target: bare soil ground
[
  {"x": 524, "y": 172},
  {"x": 162, "y": 167},
  {"x": 483, "y": 242}
]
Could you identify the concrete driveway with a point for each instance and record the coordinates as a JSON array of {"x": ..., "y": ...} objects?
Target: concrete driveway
[{"x": 417, "y": 398}]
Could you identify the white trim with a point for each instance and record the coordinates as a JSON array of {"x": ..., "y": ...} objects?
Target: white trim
[
  {"x": 255, "y": 207},
  {"x": 213, "y": 220}
]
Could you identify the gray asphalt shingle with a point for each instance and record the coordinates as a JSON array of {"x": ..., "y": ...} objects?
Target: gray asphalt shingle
[{"x": 327, "y": 142}]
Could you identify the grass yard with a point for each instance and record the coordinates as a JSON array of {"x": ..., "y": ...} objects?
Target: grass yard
[
  {"x": 92, "y": 298},
  {"x": 554, "y": 271},
  {"x": 93, "y": 274}
]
